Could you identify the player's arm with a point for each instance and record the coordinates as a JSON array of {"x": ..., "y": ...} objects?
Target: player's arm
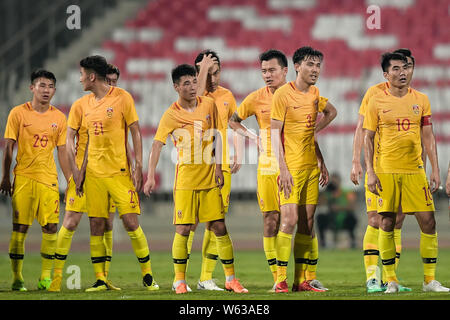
[
  {"x": 356, "y": 173},
  {"x": 137, "y": 147},
  {"x": 202, "y": 76},
  {"x": 429, "y": 143},
  {"x": 64, "y": 162},
  {"x": 286, "y": 181},
  {"x": 243, "y": 131},
  {"x": 5, "y": 186},
  {"x": 372, "y": 180},
  {"x": 71, "y": 154},
  {"x": 239, "y": 128},
  {"x": 324, "y": 176},
  {"x": 329, "y": 113},
  {"x": 152, "y": 163}
]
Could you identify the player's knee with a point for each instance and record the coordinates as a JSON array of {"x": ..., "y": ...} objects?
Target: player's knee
[
  {"x": 218, "y": 227},
  {"x": 50, "y": 228},
  {"x": 429, "y": 226}
]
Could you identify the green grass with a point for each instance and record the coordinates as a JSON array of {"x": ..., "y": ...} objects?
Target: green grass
[{"x": 342, "y": 271}]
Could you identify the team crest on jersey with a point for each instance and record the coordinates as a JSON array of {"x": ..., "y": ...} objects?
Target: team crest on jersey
[
  {"x": 380, "y": 202},
  {"x": 54, "y": 126},
  {"x": 71, "y": 201},
  {"x": 179, "y": 214},
  {"x": 416, "y": 109},
  {"x": 225, "y": 104},
  {"x": 208, "y": 119},
  {"x": 109, "y": 112},
  {"x": 369, "y": 201}
]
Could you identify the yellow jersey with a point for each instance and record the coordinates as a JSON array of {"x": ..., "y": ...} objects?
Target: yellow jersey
[
  {"x": 193, "y": 136},
  {"x": 258, "y": 104},
  {"x": 372, "y": 91},
  {"x": 398, "y": 122},
  {"x": 298, "y": 112},
  {"x": 107, "y": 121},
  {"x": 226, "y": 106},
  {"x": 37, "y": 134}
]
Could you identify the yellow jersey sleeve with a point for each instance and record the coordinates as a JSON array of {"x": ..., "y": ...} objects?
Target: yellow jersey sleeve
[
  {"x": 62, "y": 132},
  {"x": 12, "y": 125},
  {"x": 165, "y": 128},
  {"x": 75, "y": 116},
  {"x": 322, "y": 104},
  {"x": 129, "y": 110},
  {"x": 246, "y": 108},
  {"x": 279, "y": 107},
  {"x": 371, "y": 116}
]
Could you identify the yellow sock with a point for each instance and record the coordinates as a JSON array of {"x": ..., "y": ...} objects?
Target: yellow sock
[
  {"x": 98, "y": 256},
  {"x": 302, "y": 250},
  {"x": 209, "y": 255},
  {"x": 16, "y": 254},
  {"x": 284, "y": 246},
  {"x": 225, "y": 251},
  {"x": 63, "y": 243},
  {"x": 108, "y": 239},
  {"x": 311, "y": 268},
  {"x": 141, "y": 250},
  {"x": 270, "y": 250},
  {"x": 180, "y": 256},
  {"x": 429, "y": 252},
  {"x": 398, "y": 246},
  {"x": 48, "y": 247},
  {"x": 387, "y": 253},
  {"x": 371, "y": 253}
]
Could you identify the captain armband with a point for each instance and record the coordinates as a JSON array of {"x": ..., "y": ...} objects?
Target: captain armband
[{"x": 426, "y": 121}]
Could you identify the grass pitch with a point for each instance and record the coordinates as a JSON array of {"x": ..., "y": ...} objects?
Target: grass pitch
[{"x": 342, "y": 271}]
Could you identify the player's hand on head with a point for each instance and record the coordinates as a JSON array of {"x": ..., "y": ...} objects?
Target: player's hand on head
[{"x": 208, "y": 61}]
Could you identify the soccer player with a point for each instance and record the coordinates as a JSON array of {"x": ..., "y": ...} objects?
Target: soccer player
[
  {"x": 75, "y": 205},
  {"x": 194, "y": 125},
  {"x": 108, "y": 112},
  {"x": 402, "y": 117},
  {"x": 258, "y": 103},
  {"x": 37, "y": 128},
  {"x": 207, "y": 64},
  {"x": 370, "y": 240},
  {"x": 293, "y": 116}
]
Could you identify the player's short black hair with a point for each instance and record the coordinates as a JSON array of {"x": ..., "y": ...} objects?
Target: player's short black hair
[
  {"x": 112, "y": 69},
  {"x": 274, "y": 54},
  {"x": 388, "y": 56},
  {"x": 96, "y": 64},
  {"x": 407, "y": 53},
  {"x": 42, "y": 73},
  {"x": 203, "y": 53},
  {"x": 305, "y": 52},
  {"x": 183, "y": 70}
]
